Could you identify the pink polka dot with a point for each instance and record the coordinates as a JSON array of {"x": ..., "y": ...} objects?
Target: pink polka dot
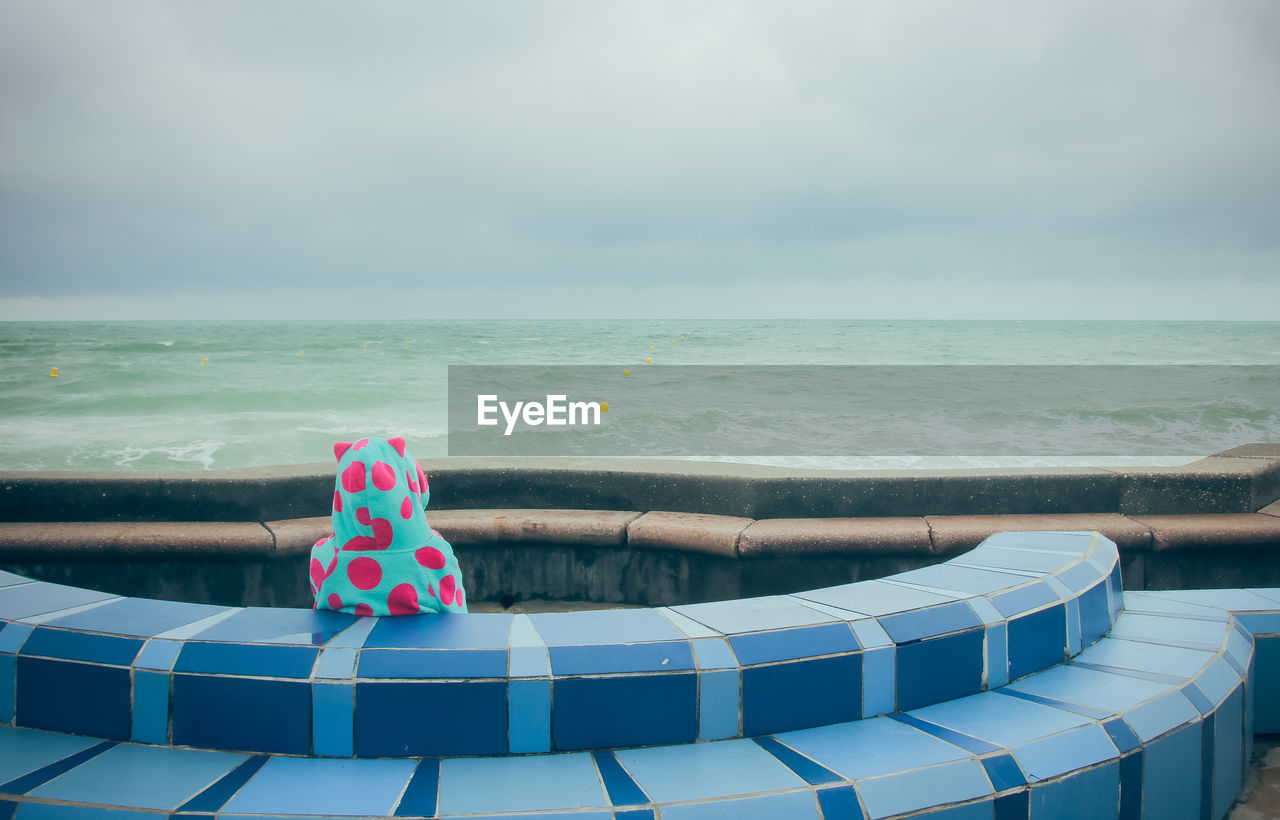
[
  {"x": 317, "y": 575},
  {"x": 362, "y": 515},
  {"x": 457, "y": 598},
  {"x": 337, "y": 501},
  {"x": 431, "y": 591},
  {"x": 430, "y": 557},
  {"x": 383, "y": 533},
  {"x": 384, "y": 477},
  {"x": 364, "y": 572},
  {"x": 353, "y": 477},
  {"x": 361, "y": 444},
  {"x": 406, "y": 508},
  {"x": 398, "y": 444},
  {"x": 447, "y": 588},
  {"x": 364, "y": 609},
  {"x": 403, "y": 600},
  {"x": 412, "y": 482},
  {"x": 422, "y": 478},
  {"x": 335, "y": 603}
]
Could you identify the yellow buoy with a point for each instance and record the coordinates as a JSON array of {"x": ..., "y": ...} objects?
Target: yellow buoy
[
  {"x": 604, "y": 407},
  {"x": 651, "y": 347},
  {"x": 681, "y": 338},
  {"x": 626, "y": 372},
  {"x": 648, "y": 361},
  {"x": 673, "y": 341},
  {"x": 204, "y": 361},
  {"x": 53, "y": 374},
  {"x": 300, "y": 352}
]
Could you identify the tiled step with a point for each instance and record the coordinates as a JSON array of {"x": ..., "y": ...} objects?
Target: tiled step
[{"x": 1154, "y": 720}]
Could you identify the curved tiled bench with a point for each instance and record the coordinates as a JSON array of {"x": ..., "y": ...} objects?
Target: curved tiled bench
[{"x": 329, "y": 684}]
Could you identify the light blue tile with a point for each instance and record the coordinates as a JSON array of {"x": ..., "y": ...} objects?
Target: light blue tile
[
  {"x": 879, "y": 681},
  {"x": 158, "y": 654},
  {"x": 702, "y": 770},
  {"x": 1159, "y": 715},
  {"x": 57, "y": 811},
  {"x": 718, "y": 700},
  {"x": 24, "y": 750},
  {"x": 714, "y": 653},
  {"x": 1158, "y": 602},
  {"x": 687, "y": 625},
  {"x": 1000, "y": 719},
  {"x": 353, "y": 637},
  {"x": 529, "y": 710},
  {"x": 1171, "y": 776},
  {"x": 141, "y": 776},
  {"x": 789, "y": 804},
  {"x": 997, "y": 655},
  {"x": 1090, "y": 687},
  {"x": 150, "y": 706},
  {"x": 1073, "y": 625},
  {"x": 1272, "y": 594},
  {"x": 528, "y": 662},
  {"x": 1057, "y": 586},
  {"x": 523, "y": 633},
  {"x": 1218, "y": 680},
  {"x": 870, "y": 633},
  {"x": 1091, "y": 793},
  {"x": 332, "y": 719},
  {"x": 995, "y": 558},
  {"x": 323, "y": 786},
  {"x": 181, "y": 633},
  {"x": 1240, "y": 648},
  {"x": 754, "y": 614},
  {"x": 8, "y": 579},
  {"x": 865, "y": 748},
  {"x": 1167, "y": 629},
  {"x": 603, "y": 627},
  {"x": 1067, "y": 542},
  {"x": 1064, "y": 752},
  {"x": 903, "y": 792},
  {"x": 336, "y": 663},
  {"x": 477, "y": 785},
  {"x": 874, "y": 597},
  {"x": 1232, "y": 600},
  {"x": 13, "y": 635},
  {"x": 958, "y": 580},
  {"x": 1116, "y": 653},
  {"x": 986, "y": 611}
]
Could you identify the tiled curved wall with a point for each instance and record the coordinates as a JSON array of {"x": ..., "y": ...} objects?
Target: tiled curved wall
[{"x": 324, "y": 683}]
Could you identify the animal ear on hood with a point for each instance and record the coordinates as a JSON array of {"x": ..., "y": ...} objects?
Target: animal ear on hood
[
  {"x": 340, "y": 448},
  {"x": 398, "y": 444}
]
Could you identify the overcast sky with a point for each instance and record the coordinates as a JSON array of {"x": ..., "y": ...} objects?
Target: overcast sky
[{"x": 251, "y": 158}]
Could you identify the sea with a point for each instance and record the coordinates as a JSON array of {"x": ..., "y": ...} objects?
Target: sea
[{"x": 209, "y": 395}]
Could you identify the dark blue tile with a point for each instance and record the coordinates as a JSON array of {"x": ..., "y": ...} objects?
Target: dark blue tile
[
  {"x": 1206, "y": 766},
  {"x": 142, "y": 617},
  {"x": 634, "y": 814},
  {"x": 1014, "y": 806},
  {"x": 813, "y": 774},
  {"x": 420, "y": 795},
  {"x": 1131, "y": 786},
  {"x": 1121, "y": 735},
  {"x": 484, "y": 630},
  {"x": 212, "y": 799},
  {"x": 1020, "y": 600},
  {"x": 840, "y": 803},
  {"x": 1117, "y": 591},
  {"x": 623, "y": 790},
  {"x": 7, "y": 808},
  {"x": 1067, "y": 706},
  {"x": 1004, "y": 772},
  {"x": 644, "y": 710},
  {"x": 67, "y": 696},
  {"x": 25, "y": 600},
  {"x": 788, "y": 644},
  {"x": 259, "y": 660},
  {"x": 242, "y": 714},
  {"x": 272, "y": 625},
  {"x": 1260, "y": 623},
  {"x": 39, "y": 777},
  {"x": 800, "y": 694},
  {"x": 919, "y": 682},
  {"x": 395, "y": 719},
  {"x": 662, "y": 656},
  {"x": 1081, "y": 576},
  {"x": 1037, "y": 641},
  {"x": 929, "y": 622},
  {"x": 967, "y": 742},
  {"x": 432, "y": 663},
  {"x": 1197, "y": 698},
  {"x": 1095, "y": 620},
  {"x": 81, "y": 646}
]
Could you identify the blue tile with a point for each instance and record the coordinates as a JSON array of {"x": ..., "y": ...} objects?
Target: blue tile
[
  {"x": 812, "y": 773},
  {"x": 1121, "y": 735},
  {"x": 1037, "y": 641},
  {"x": 874, "y": 597},
  {"x": 150, "y": 707},
  {"x": 247, "y": 659},
  {"x": 966, "y": 742},
  {"x": 431, "y": 718},
  {"x": 1266, "y": 660},
  {"x": 929, "y": 622},
  {"x": 23, "y": 751},
  {"x": 1026, "y": 559},
  {"x": 919, "y": 683},
  {"x": 1172, "y": 630},
  {"x": 1228, "y": 741},
  {"x": 1091, "y": 793},
  {"x": 754, "y": 614},
  {"x": 997, "y": 655},
  {"x": 1073, "y": 627},
  {"x": 421, "y": 796},
  {"x": 1232, "y": 600},
  {"x": 530, "y": 704},
  {"x": 172, "y": 776},
  {"x": 353, "y": 637},
  {"x": 142, "y": 617},
  {"x": 55, "y": 811},
  {"x": 630, "y": 814},
  {"x": 1091, "y": 712},
  {"x": 532, "y": 783},
  {"x": 9, "y": 579},
  {"x": 865, "y": 748},
  {"x": 1160, "y": 714},
  {"x": 332, "y": 719},
  {"x": 879, "y": 681},
  {"x": 1092, "y": 687},
  {"x": 798, "y": 805},
  {"x": 67, "y": 696},
  {"x": 661, "y": 656},
  {"x": 1206, "y": 765},
  {"x": 215, "y": 796},
  {"x": 1095, "y": 620},
  {"x": 999, "y": 718},
  {"x": 800, "y": 694},
  {"x": 12, "y": 636},
  {"x": 336, "y": 663},
  {"x": 480, "y": 630},
  {"x": 718, "y": 704},
  {"x": 8, "y": 676},
  {"x": 788, "y": 644},
  {"x": 706, "y": 770},
  {"x": 82, "y": 646},
  {"x": 1013, "y": 806},
  {"x": 623, "y": 791},
  {"x": 432, "y": 663},
  {"x": 1003, "y": 772},
  {"x": 1131, "y": 786},
  {"x": 1080, "y": 577},
  {"x": 840, "y": 803},
  {"x": 319, "y": 786},
  {"x": 218, "y": 712},
  {"x": 1171, "y": 775},
  {"x": 593, "y": 713},
  {"x": 1260, "y": 623},
  {"x": 983, "y": 608},
  {"x": 1058, "y": 754},
  {"x": 714, "y": 653},
  {"x": 963, "y": 580},
  {"x": 529, "y": 662},
  {"x": 1192, "y": 693},
  {"x": 1025, "y": 599},
  {"x": 158, "y": 655},
  {"x": 272, "y": 625},
  {"x": 26, "y": 600},
  {"x": 870, "y": 634},
  {"x": 938, "y": 785},
  {"x": 605, "y": 626}
]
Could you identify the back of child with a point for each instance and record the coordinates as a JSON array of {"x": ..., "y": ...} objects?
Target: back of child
[{"x": 383, "y": 558}]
